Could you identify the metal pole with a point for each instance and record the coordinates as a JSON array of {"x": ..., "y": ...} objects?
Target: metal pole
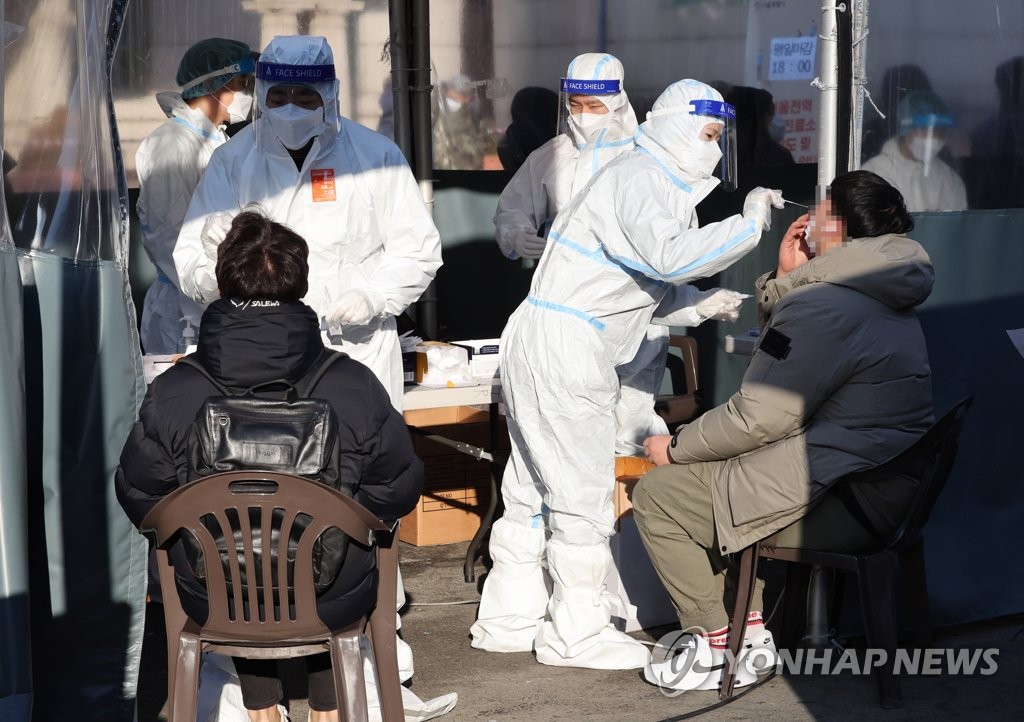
[
  {"x": 828, "y": 86},
  {"x": 423, "y": 140},
  {"x": 859, "y": 71},
  {"x": 399, "y": 46}
]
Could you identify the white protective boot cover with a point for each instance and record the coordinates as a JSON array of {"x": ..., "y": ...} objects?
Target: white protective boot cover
[
  {"x": 580, "y": 632},
  {"x": 515, "y": 592}
]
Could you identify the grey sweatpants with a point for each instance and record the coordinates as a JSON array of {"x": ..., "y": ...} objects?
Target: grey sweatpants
[{"x": 672, "y": 507}]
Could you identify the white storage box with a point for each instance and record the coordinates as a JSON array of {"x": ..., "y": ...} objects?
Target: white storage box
[{"x": 483, "y": 356}]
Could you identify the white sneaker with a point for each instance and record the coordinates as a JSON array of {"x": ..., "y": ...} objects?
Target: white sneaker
[
  {"x": 684, "y": 661},
  {"x": 759, "y": 654}
]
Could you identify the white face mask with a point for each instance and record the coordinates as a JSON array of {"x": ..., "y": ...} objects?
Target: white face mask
[
  {"x": 240, "y": 107},
  {"x": 453, "y": 105},
  {"x": 777, "y": 128},
  {"x": 294, "y": 126},
  {"x": 925, "y": 148},
  {"x": 707, "y": 157},
  {"x": 588, "y": 126}
]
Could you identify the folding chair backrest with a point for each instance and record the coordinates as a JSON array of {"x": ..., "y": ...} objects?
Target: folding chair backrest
[
  {"x": 266, "y": 597},
  {"x": 685, "y": 404},
  {"x": 929, "y": 460}
]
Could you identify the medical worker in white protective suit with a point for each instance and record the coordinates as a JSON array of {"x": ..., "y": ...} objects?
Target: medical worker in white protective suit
[
  {"x": 349, "y": 192},
  {"x": 346, "y": 189},
  {"x": 597, "y": 124},
  {"x": 216, "y": 78},
  {"x": 618, "y": 258},
  {"x": 910, "y": 161}
]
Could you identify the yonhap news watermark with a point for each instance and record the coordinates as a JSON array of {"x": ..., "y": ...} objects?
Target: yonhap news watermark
[
  {"x": 682, "y": 666},
  {"x": 941, "y": 661}
]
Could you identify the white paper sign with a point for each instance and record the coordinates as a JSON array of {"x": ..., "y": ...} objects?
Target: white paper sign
[{"x": 792, "y": 58}]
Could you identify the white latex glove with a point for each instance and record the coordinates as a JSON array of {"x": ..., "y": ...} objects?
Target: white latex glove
[
  {"x": 533, "y": 245},
  {"x": 720, "y": 304},
  {"x": 757, "y": 206},
  {"x": 215, "y": 229},
  {"x": 355, "y": 307}
]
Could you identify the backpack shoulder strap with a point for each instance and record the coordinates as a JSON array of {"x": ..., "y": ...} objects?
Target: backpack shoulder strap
[
  {"x": 193, "y": 362},
  {"x": 305, "y": 389}
]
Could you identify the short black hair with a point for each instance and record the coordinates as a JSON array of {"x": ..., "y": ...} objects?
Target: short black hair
[
  {"x": 262, "y": 260},
  {"x": 869, "y": 205}
]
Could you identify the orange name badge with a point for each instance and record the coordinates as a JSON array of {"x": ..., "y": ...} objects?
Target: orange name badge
[{"x": 323, "y": 185}]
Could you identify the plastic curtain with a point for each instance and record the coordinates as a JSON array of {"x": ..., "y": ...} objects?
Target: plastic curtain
[{"x": 72, "y": 568}]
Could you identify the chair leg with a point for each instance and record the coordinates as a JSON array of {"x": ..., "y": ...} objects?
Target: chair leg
[
  {"x": 915, "y": 582},
  {"x": 382, "y": 635},
  {"x": 181, "y": 699},
  {"x": 794, "y": 604},
  {"x": 835, "y": 606},
  {"x": 877, "y": 581},
  {"x": 744, "y": 593},
  {"x": 349, "y": 685}
]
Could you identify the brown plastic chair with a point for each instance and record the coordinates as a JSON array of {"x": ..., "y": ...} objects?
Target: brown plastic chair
[
  {"x": 685, "y": 404},
  {"x": 929, "y": 460},
  {"x": 245, "y": 621}
]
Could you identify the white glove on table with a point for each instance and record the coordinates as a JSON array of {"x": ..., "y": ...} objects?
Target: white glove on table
[
  {"x": 355, "y": 307},
  {"x": 720, "y": 304},
  {"x": 215, "y": 230},
  {"x": 757, "y": 206}
]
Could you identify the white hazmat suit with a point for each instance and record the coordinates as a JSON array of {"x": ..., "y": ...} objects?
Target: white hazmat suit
[
  {"x": 373, "y": 247},
  {"x": 170, "y": 162},
  {"x": 615, "y": 259},
  {"x": 928, "y": 184},
  {"x": 551, "y": 176}
]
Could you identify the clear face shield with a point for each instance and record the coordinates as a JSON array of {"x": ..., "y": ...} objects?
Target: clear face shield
[
  {"x": 722, "y": 115},
  {"x": 926, "y": 138},
  {"x": 583, "y": 108},
  {"x": 246, "y": 68},
  {"x": 297, "y": 101}
]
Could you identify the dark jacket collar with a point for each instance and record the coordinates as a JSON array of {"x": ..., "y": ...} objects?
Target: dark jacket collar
[{"x": 243, "y": 343}]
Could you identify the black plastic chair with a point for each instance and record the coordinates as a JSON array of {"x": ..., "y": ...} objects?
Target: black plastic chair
[
  {"x": 929, "y": 460},
  {"x": 248, "y": 619}
]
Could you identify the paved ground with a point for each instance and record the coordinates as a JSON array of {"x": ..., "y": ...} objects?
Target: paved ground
[{"x": 514, "y": 687}]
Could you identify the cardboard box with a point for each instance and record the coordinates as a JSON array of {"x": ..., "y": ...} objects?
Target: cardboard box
[
  {"x": 457, "y": 487},
  {"x": 628, "y": 470}
]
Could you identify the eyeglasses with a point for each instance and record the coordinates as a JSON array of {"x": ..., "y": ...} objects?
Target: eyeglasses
[{"x": 299, "y": 95}]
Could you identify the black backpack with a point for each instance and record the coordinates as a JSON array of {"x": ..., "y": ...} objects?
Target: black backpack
[{"x": 274, "y": 426}]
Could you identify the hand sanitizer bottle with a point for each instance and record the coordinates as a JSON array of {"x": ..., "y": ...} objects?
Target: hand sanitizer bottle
[{"x": 187, "y": 344}]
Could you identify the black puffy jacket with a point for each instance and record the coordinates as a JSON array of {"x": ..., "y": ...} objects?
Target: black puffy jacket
[{"x": 244, "y": 345}]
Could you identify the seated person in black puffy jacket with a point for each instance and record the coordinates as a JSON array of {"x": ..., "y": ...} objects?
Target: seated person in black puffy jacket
[{"x": 242, "y": 344}]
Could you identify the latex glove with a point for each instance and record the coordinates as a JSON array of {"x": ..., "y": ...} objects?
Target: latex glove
[
  {"x": 356, "y": 307},
  {"x": 533, "y": 245},
  {"x": 757, "y": 206},
  {"x": 215, "y": 230},
  {"x": 720, "y": 304}
]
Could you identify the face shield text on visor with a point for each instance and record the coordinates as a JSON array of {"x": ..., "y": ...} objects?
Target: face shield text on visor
[
  {"x": 583, "y": 109},
  {"x": 717, "y": 112}
]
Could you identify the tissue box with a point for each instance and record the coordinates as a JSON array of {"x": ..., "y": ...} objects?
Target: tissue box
[
  {"x": 483, "y": 356},
  {"x": 441, "y": 364}
]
